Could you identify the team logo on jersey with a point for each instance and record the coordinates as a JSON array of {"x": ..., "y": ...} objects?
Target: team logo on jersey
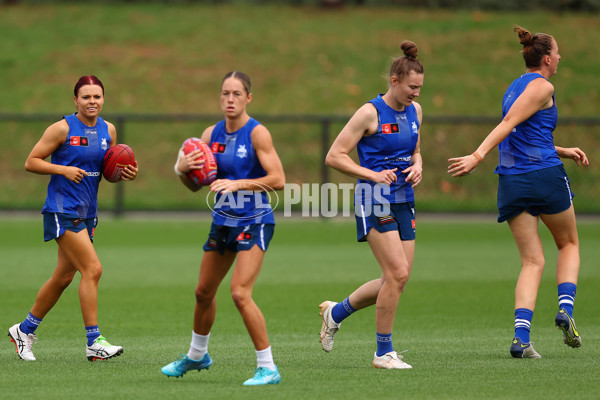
[
  {"x": 243, "y": 236},
  {"x": 414, "y": 127},
  {"x": 218, "y": 147},
  {"x": 242, "y": 152},
  {"x": 389, "y": 128},
  {"x": 79, "y": 141},
  {"x": 103, "y": 144},
  {"x": 90, "y": 131}
]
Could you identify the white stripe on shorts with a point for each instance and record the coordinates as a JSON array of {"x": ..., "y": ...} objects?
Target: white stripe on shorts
[
  {"x": 262, "y": 236},
  {"x": 364, "y": 220},
  {"x": 57, "y": 225}
]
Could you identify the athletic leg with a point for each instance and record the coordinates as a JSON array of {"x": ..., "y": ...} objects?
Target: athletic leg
[
  {"x": 213, "y": 269},
  {"x": 244, "y": 276},
  {"x": 564, "y": 230},
  {"x": 389, "y": 253},
  {"x": 524, "y": 228},
  {"x": 79, "y": 251}
]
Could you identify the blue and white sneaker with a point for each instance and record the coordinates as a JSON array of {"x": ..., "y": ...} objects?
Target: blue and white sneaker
[
  {"x": 23, "y": 341},
  {"x": 518, "y": 349},
  {"x": 179, "y": 367},
  {"x": 102, "y": 350},
  {"x": 566, "y": 324},
  {"x": 264, "y": 376}
]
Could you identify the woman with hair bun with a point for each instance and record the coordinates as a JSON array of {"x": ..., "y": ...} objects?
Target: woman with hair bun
[
  {"x": 533, "y": 185},
  {"x": 385, "y": 132}
]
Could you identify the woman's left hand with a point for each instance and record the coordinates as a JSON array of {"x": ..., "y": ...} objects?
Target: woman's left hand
[
  {"x": 130, "y": 172},
  {"x": 415, "y": 174},
  {"x": 224, "y": 186},
  {"x": 461, "y": 166},
  {"x": 575, "y": 154}
]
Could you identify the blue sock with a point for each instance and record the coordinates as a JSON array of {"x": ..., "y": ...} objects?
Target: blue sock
[
  {"x": 92, "y": 332},
  {"x": 523, "y": 317},
  {"x": 384, "y": 343},
  {"x": 566, "y": 296},
  {"x": 342, "y": 310},
  {"x": 30, "y": 324}
]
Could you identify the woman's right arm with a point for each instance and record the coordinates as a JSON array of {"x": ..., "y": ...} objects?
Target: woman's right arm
[
  {"x": 364, "y": 121},
  {"x": 54, "y": 136},
  {"x": 535, "y": 97},
  {"x": 187, "y": 162}
]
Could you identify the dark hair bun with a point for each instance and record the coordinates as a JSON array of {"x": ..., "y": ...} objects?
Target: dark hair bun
[
  {"x": 410, "y": 49},
  {"x": 525, "y": 37}
]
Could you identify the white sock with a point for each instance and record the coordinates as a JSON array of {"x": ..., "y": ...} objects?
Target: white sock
[
  {"x": 198, "y": 347},
  {"x": 264, "y": 358}
]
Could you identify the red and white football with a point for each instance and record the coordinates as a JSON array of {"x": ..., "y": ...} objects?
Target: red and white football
[
  {"x": 115, "y": 160},
  {"x": 208, "y": 173}
]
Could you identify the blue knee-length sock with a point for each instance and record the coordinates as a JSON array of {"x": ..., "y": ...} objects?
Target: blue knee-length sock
[
  {"x": 30, "y": 324},
  {"x": 566, "y": 296},
  {"x": 342, "y": 310},
  {"x": 92, "y": 332},
  {"x": 523, "y": 317},
  {"x": 384, "y": 343}
]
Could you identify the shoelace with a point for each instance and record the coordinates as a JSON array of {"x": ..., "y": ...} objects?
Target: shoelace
[{"x": 31, "y": 340}]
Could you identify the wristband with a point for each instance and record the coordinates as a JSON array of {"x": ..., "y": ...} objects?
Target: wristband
[{"x": 478, "y": 156}]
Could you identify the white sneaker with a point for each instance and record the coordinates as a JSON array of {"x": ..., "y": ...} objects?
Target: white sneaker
[
  {"x": 329, "y": 326},
  {"x": 102, "y": 350},
  {"x": 23, "y": 341},
  {"x": 390, "y": 360}
]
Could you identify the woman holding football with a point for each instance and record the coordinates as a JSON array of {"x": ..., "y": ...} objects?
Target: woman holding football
[
  {"x": 385, "y": 132},
  {"x": 77, "y": 144},
  {"x": 533, "y": 185},
  {"x": 242, "y": 227}
]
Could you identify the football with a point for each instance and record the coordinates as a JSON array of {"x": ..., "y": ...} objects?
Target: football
[
  {"x": 116, "y": 159},
  {"x": 208, "y": 173}
]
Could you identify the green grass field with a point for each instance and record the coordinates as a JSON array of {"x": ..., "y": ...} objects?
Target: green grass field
[{"x": 455, "y": 318}]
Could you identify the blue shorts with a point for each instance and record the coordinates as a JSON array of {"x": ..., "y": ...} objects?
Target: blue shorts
[
  {"x": 238, "y": 238},
  {"x": 401, "y": 218},
  {"x": 55, "y": 224},
  {"x": 545, "y": 191}
]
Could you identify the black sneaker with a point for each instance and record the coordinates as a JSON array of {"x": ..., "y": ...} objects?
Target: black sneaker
[
  {"x": 566, "y": 324},
  {"x": 518, "y": 349}
]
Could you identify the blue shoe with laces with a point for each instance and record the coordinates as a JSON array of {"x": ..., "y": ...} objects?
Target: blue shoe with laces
[
  {"x": 264, "y": 376},
  {"x": 179, "y": 367},
  {"x": 566, "y": 324}
]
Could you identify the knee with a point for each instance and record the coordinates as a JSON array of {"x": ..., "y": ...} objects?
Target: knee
[
  {"x": 64, "y": 281},
  {"x": 538, "y": 261},
  {"x": 399, "y": 278},
  {"x": 240, "y": 297},
  {"x": 203, "y": 295},
  {"x": 95, "y": 272},
  {"x": 91, "y": 272}
]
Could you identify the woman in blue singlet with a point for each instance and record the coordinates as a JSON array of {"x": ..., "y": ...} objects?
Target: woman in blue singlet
[
  {"x": 77, "y": 144},
  {"x": 248, "y": 167},
  {"x": 385, "y": 132},
  {"x": 533, "y": 185}
]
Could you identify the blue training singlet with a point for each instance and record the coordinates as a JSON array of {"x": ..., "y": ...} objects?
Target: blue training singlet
[
  {"x": 530, "y": 146},
  {"x": 83, "y": 148},
  {"x": 392, "y": 146},
  {"x": 236, "y": 159}
]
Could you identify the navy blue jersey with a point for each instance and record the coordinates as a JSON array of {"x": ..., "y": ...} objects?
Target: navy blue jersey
[
  {"x": 530, "y": 146},
  {"x": 236, "y": 159},
  {"x": 392, "y": 146},
  {"x": 84, "y": 148}
]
